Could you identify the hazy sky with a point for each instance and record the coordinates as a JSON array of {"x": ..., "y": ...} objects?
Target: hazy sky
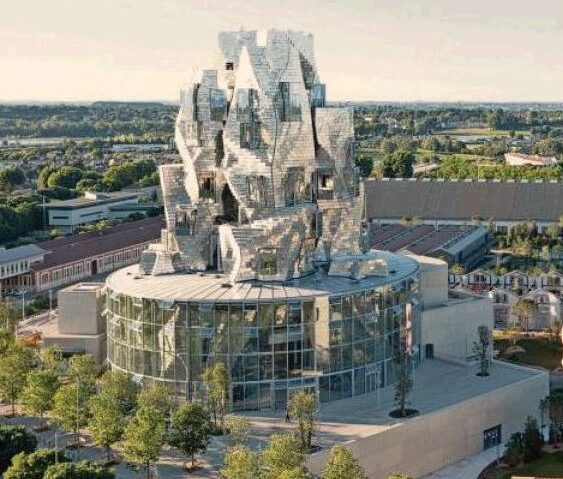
[{"x": 403, "y": 50}]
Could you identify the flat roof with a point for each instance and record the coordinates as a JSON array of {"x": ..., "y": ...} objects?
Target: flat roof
[
  {"x": 82, "y": 202},
  {"x": 20, "y": 252},
  {"x": 437, "y": 384},
  {"x": 210, "y": 287}
]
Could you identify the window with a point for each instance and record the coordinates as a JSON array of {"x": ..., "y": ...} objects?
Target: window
[
  {"x": 229, "y": 66},
  {"x": 318, "y": 94},
  {"x": 267, "y": 261},
  {"x": 217, "y": 104},
  {"x": 247, "y": 104},
  {"x": 206, "y": 185},
  {"x": 492, "y": 437},
  {"x": 250, "y": 135},
  {"x": 256, "y": 189},
  {"x": 290, "y": 108}
]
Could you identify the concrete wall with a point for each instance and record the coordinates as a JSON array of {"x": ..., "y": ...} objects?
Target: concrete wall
[
  {"x": 433, "y": 280},
  {"x": 452, "y": 326},
  {"x": 80, "y": 309},
  {"x": 96, "y": 345},
  {"x": 434, "y": 440}
]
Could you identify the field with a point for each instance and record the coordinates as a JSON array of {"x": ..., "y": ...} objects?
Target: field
[
  {"x": 480, "y": 132},
  {"x": 538, "y": 351}
]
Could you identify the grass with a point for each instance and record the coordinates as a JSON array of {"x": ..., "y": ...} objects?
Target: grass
[
  {"x": 539, "y": 351},
  {"x": 550, "y": 465},
  {"x": 422, "y": 153}
]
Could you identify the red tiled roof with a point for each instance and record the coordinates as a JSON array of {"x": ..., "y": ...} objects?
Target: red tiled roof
[{"x": 79, "y": 246}]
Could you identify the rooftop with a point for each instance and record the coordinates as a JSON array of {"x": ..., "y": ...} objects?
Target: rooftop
[
  {"x": 85, "y": 245},
  {"x": 85, "y": 201},
  {"x": 424, "y": 239},
  {"x": 212, "y": 287},
  {"x": 20, "y": 253},
  {"x": 462, "y": 200}
]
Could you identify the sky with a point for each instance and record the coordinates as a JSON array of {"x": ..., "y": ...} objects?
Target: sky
[{"x": 366, "y": 50}]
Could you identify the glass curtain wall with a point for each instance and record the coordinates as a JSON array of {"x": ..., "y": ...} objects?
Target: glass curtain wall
[{"x": 348, "y": 347}]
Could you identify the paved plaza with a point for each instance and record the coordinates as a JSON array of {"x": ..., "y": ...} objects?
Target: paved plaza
[{"x": 437, "y": 384}]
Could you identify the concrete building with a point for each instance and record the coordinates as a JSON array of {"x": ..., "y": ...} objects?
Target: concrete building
[
  {"x": 67, "y": 215},
  {"x": 80, "y": 326},
  {"x": 463, "y": 202}
]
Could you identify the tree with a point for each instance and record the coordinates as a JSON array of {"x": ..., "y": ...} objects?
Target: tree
[
  {"x": 343, "y": 465},
  {"x": 237, "y": 428},
  {"x": 302, "y": 406},
  {"x": 78, "y": 470},
  {"x": 11, "y": 177},
  {"x": 14, "y": 440},
  {"x": 457, "y": 269},
  {"x": 157, "y": 398},
  {"x": 107, "y": 420},
  {"x": 51, "y": 359},
  {"x": 118, "y": 385},
  {"x": 9, "y": 316},
  {"x": 523, "y": 309},
  {"x": 217, "y": 382},
  {"x": 241, "y": 463},
  {"x": 399, "y": 164},
  {"x": 190, "y": 430},
  {"x": 403, "y": 383},
  {"x": 82, "y": 368},
  {"x": 37, "y": 395},
  {"x": 144, "y": 436},
  {"x": 283, "y": 453},
  {"x": 481, "y": 348},
  {"x": 15, "y": 363},
  {"x": 33, "y": 465},
  {"x": 70, "y": 407},
  {"x": 532, "y": 440},
  {"x": 514, "y": 451},
  {"x": 65, "y": 177}
]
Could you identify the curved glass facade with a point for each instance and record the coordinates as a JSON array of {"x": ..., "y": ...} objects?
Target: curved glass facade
[{"x": 344, "y": 345}]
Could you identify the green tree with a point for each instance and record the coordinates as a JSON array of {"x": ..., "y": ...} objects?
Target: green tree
[
  {"x": 217, "y": 381},
  {"x": 157, "y": 398},
  {"x": 302, "y": 406},
  {"x": 70, "y": 407},
  {"x": 32, "y": 466},
  {"x": 65, "y": 177},
  {"x": 190, "y": 430},
  {"x": 144, "y": 436},
  {"x": 107, "y": 421},
  {"x": 343, "y": 465},
  {"x": 118, "y": 385},
  {"x": 241, "y": 463},
  {"x": 52, "y": 359},
  {"x": 482, "y": 349},
  {"x": 399, "y": 164},
  {"x": 82, "y": 368},
  {"x": 524, "y": 309},
  {"x": 9, "y": 316},
  {"x": 78, "y": 470},
  {"x": 14, "y": 440},
  {"x": 237, "y": 428},
  {"x": 37, "y": 395},
  {"x": 15, "y": 364},
  {"x": 283, "y": 454},
  {"x": 532, "y": 440},
  {"x": 514, "y": 451},
  {"x": 11, "y": 177}
]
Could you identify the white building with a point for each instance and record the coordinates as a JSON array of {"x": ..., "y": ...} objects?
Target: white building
[
  {"x": 520, "y": 159},
  {"x": 67, "y": 215}
]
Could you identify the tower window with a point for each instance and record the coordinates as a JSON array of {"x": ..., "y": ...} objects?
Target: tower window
[
  {"x": 229, "y": 66},
  {"x": 250, "y": 135},
  {"x": 217, "y": 104},
  {"x": 290, "y": 107}
]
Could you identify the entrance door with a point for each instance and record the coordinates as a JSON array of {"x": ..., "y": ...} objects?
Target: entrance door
[
  {"x": 94, "y": 267},
  {"x": 281, "y": 399},
  {"x": 371, "y": 382}
]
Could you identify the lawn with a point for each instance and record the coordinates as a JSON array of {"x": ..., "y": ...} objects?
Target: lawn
[
  {"x": 539, "y": 351},
  {"x": 550, "y": 465}
]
